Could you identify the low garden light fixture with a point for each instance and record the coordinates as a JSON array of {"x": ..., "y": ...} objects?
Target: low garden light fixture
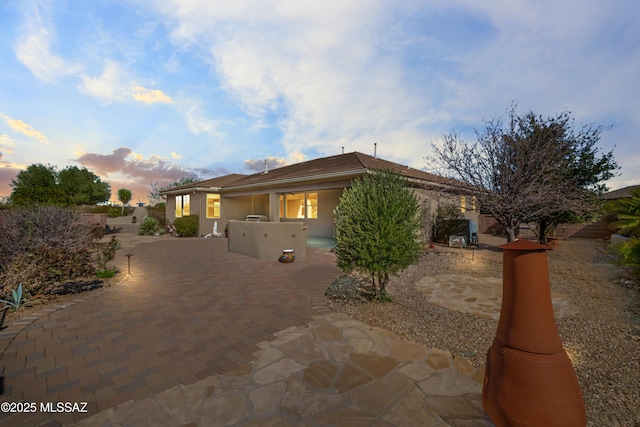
[{"x": 129, "y": 263}]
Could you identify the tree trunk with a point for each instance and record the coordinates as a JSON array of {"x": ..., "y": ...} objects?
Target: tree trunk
[
  {"x": 373, "y": 284},
  {"x": 511, "y": 234},
  {"x": 542, "y": 232},
  {"x": 383, "y": 278}
]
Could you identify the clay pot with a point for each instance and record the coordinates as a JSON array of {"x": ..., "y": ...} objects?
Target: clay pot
[
  {"x": 529, "y": 379},
  {"x": 288, "y": 256}
]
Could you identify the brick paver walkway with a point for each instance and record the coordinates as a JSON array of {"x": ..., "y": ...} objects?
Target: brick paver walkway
[{"x": 190, "y": 310}]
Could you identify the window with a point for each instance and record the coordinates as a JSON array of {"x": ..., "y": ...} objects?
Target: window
[
  {"x": 299, "y": 205},
  {"x": 281, "y": 206},
  {"x": 312, "y": 205},
  {"x": 213, "y": 206},
  {"x": 186, "y": 205},
  {"x": 178, "y": 206},
  {"x": 463, "y": 204},
  {"x": 183, "y": 205}
]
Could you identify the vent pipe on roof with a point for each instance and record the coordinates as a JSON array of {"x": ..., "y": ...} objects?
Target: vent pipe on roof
[
  {"x": 343, "y": 149},
  {"x": 375, "y": 150},
  {"x": 266, "y": 165}
]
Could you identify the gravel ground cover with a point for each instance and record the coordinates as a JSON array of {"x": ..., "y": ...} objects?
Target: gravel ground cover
[{"x": 602, "y": 339}]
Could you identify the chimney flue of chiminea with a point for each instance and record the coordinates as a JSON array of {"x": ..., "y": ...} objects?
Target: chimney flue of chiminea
[
  {"x": 266, "y": 165},
  {"x": 375, "y": 150}
]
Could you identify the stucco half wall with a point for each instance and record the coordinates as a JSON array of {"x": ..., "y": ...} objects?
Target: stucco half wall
[{"x": 266, "y": 240}]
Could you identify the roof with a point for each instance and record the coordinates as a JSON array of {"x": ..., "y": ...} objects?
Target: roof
[
  {"x": 621, "y": 193},
  {"x": 217, "y": 182},
  {"x": 342, "y": 166}
]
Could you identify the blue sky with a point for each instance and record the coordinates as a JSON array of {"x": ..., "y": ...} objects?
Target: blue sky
[{"x": 143, "y": 91}]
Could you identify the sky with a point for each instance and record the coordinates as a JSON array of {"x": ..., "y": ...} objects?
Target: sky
[{"x": 142, "y": 91}]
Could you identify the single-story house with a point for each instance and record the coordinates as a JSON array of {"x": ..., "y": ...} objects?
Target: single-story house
[{"x": 305, "y": 192}]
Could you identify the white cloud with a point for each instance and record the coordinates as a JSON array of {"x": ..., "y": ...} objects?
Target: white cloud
[
  {"x": 268, "y": 163},
  {"x": 112, "y": 85},
  {"x": 6, "y": 144},
  {"x": 150, "y": 96},
  {"x": 115, "y": 85},
  {"x": 305, "y": 78},
  {"x": 23, "y": 128},
  {"x": 33, "y": 49},
  {"x": 199, "y": 122},
  {"x": 321, "y": 69},
  {"x": 353, "y": 73}
]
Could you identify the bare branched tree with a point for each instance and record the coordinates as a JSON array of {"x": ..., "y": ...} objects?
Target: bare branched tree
[{"x": 525, "y": 170}]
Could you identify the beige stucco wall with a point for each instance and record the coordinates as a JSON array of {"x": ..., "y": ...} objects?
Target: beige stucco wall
[
  {"x": 170, "y": 212},
  {"x": 266, "y": 240},
  {"x": 236, "y": 206}
]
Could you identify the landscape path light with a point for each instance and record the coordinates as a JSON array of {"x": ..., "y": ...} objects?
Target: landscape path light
[{"x": 129, "y": 263}]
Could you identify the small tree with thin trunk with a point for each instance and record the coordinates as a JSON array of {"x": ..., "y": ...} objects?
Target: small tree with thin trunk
[
  {"x": 125, "y": 196},
  {"x": 378, "y": 227}
]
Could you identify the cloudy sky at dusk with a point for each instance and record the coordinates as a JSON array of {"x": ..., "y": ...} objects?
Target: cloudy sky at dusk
[{"x": 143, "y": 91}]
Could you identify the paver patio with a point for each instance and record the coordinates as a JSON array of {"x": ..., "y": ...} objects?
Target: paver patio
[{"x": 190, "y": 310}]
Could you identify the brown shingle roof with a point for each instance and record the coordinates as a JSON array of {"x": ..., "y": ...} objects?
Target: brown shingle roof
[
  {"x": 341, "y": 166},
  {"x": 217, "y": 182},
  {"x": 355, "y": 162},
  {"x": 620, "y": 193}
]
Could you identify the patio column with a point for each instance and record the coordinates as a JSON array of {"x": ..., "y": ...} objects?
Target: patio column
[{"x": 274, "y": 207}]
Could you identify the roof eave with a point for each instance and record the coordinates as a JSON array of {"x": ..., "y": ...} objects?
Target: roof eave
[
  {"x": 297, "y": 180},
  {"x": 189, "y": 190}
]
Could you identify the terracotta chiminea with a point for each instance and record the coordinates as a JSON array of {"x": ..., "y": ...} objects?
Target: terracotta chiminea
[{"x": 529, "y": 379}]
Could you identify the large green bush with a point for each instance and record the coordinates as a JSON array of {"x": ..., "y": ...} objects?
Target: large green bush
[
  {"x": 187, "y": 226},
  {"x": 378, "y": 227}
]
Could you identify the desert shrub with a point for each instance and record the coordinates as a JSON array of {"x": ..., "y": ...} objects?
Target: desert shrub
[
  {"x": 159, "y": 215},
  {"x": 114, "y": 212},
  {"x": 148, "y": 226},
  {"x": 105, "y": 253},
  {"x": 187, "y": 226},
  {"x": 41, "y": 245},
  {"x": 27, "y": 229},
  {"x": 629, "y": 253},
  {"x": 627, "y": 215},
  {"x": 16, "y": 301},
  {"x": 45, "y": 266}
]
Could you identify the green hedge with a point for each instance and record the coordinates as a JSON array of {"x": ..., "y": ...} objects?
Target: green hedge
[{"x": 187, "y": 226}]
